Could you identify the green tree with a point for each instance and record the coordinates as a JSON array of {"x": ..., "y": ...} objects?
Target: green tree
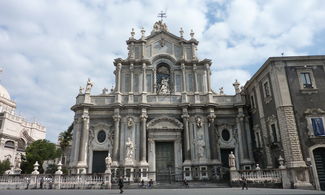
[
  {"x": 4, "y": 165},
  {"x": 65, "y": 138},
  {"x": 40, "y": 151}
]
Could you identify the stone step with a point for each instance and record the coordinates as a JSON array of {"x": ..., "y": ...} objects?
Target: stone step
[{"x": 175, "y": 185}]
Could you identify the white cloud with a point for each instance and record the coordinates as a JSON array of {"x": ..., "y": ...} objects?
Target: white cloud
[{"x": 49, "y": 48}]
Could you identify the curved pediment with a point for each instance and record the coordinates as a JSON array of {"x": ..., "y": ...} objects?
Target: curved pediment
[{"x": 165, "y": 122}]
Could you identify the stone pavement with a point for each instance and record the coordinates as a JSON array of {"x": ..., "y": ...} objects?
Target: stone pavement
[{"x": 201, "y": 191}]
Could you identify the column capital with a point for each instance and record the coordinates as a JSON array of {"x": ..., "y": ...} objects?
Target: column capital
[
  {"x": 185, "y": 116},
  {"x": 183, "y": 66},
  {"x": 116, "y": 117},
  {"x": 211, "y": 117},
  {"x": 144, "y": 65},
  {"x": 194, "y": 67},
  {"x": 85, "y": 117},
  {"x": 143, "y": 117},
  {"x": 118, "y": 66},
  {"x": 131, "y": 67}
]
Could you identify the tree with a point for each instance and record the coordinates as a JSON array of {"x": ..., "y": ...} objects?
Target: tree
[
  {"x": 65, "y": 137},
  {"x": 40, "y": 151},
  {"x": 4, "y": 166}
]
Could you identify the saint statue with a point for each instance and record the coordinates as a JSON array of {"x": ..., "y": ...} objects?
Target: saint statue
[
  {"x": 232, "y": 161},
  {"x": 164, "y": 86},
  {"x": 89, "y": 86},
  {"x": 129, "y": 149},
  {"x": 17, "y": 161},
  {"x": 108, "y": 161}
]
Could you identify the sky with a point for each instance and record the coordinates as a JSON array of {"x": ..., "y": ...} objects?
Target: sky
[{"x": 48, "y": 49}]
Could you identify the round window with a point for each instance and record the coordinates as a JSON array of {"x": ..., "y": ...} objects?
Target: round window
[
  {"x": 101, "y": 136},
  {"x": 225, "y": 135}
]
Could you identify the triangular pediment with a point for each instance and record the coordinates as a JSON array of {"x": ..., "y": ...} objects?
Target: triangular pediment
[{"x": 165, "y": 123}]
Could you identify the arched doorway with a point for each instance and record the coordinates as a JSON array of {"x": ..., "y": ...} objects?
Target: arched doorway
[{"x": 319, "y": 160}]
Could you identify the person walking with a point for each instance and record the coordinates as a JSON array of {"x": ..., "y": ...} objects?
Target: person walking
[
  {"x": 121, "y": 184},
  {"x": 244, "y": 183}
]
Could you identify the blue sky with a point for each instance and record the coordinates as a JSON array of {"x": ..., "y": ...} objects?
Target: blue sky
[{"x": 49, "y": 48}]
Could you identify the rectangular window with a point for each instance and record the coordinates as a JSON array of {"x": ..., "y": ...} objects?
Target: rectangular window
[
  {"x": 274, "y": 134},
  {"x": 200, "y": 82},
  {"x": 190, "y": 82},
  {"x": 318, "y": 126},
  {"x": 127, "y": 83},
  {"x": 136, "y": 82},
  {"x": 306, "y": 80},
  {"x": 266, "y": 89},
  {"x": 252, "y": 101},
  {"x": 149, "y": 83},
  {"x": 178, "y": 83}
]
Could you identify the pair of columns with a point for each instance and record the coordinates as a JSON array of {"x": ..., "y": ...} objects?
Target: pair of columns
[{"x": 143, "y": 141}]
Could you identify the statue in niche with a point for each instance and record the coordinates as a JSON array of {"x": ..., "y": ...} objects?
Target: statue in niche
[
  {"x": 164, "y": 86},
  {"x": 130, "y": 122},
  {"x": 129, "y": 149},
  {"x": 108, "y": 161},
  {"x": 198, "y": 122},
  {"x": 89, "y": 86},
  {"x": 163, "y": 79}
]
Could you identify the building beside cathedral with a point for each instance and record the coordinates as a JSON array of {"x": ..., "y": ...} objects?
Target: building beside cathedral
[
  {"x": 15, "y": 132},
  {"x": 162, "y": 115}
]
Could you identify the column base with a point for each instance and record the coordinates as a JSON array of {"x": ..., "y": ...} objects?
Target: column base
[
  {"x": 115, "y": 164},
  {"x": 143, "y": 163},
  {"x": 187, "y": 163}
]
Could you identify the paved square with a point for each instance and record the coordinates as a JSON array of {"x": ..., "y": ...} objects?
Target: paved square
[{"x": 201, "y": 191}]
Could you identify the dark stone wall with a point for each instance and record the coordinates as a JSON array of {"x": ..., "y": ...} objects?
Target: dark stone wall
[{"x": 302, "y": 101}]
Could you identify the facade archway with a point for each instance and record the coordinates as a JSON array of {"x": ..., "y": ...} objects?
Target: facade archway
[{"x": 317, "y": 154}]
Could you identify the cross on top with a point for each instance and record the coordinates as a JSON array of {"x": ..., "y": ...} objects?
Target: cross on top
[{"x": 162, "y": 15}]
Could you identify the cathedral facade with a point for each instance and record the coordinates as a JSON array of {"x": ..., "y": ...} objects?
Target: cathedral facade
[{"x": 162, "y": 114}]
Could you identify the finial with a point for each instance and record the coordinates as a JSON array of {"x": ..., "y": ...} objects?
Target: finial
[
  {"x": 80, "y": 90},
  {"x": 132, "y": 33},
  {"x": 181, "y": 32},
  {"x": 221, "y": 92},
  {"x": 192, "y": 34},
  {"x": 142, "y": 32}
]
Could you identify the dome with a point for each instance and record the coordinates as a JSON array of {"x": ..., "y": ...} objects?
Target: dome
[{"x": 4, "y": 93}]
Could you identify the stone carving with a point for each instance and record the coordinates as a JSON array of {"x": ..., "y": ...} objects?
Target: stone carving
[
  {"x": 81, "y": 90},
  {"x": 89, "y": 86},
  {"x": 17, "y": 161},
  {"x": 200, "y": 146},
  {"x": 165, "y": 122},
  {"x": 108, "y": 161},
  {"x": 198, "y": 122},
  {"x": 232, "y": 161},
  {"x": 130, "y": 122},
  {"x": 164, "y": 86},
  {"x": 105, "y": 91},
  {"x": 159, "y": 26},
  {"x": 221, "y": 91},
  {"x": 129, "y": 149}
]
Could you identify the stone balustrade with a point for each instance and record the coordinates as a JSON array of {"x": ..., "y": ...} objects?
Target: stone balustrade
[{"x": 257, "y": 176}]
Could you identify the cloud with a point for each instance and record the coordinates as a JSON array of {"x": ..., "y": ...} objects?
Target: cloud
[{"x": 49, "y": 48}]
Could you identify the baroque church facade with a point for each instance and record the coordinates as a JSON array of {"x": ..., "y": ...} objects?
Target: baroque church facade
[
  {"x": 162, "y": 114},
  {"x": 16, "y": 133}
]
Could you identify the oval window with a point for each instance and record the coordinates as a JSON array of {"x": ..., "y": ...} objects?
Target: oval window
[
  {"x": 101, "y": 136},
  {"x": 225, "y": 135}
]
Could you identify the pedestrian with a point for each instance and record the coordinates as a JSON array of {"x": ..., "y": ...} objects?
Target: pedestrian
[
  {"x": 186, "y": 183},
  {"x": 41, "y": 182},
  {"x": 142, "y": 183},
  {"x": 121, "y": 184},
  {"x": 244, "y": 183},
  {"x": 150, "y": 183}
]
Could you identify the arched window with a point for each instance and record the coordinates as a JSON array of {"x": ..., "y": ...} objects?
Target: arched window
[
  {"x": 9, "y": 144},
  {"x": 21, "y": 145},
  {"x": 163, "y": 79}
]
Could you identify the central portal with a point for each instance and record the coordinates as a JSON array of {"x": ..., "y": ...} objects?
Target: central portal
[{"x": 165, "y": 161}]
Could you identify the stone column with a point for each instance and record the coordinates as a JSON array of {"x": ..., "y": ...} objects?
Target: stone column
[
  {"x": 195, "y": 78},
  {"x": 243, "y": 138},
  {"x": 143, "y": 118},
  {"x": 117, "y": 72},
  {"x": 187, "y": 145},
  {"x": 76, "y": 142},
  {"x": 117, "y": 119},
  {"x": 84, "y": 141},
  {"x": 208, "y": 73},
  {"x": 212, "y": 136},
  {"x": 184, "y": 77},
  {"x": 131, "y": 83},
  {"x": 144, "y": 83},
  {"x": 154, "y": 80}
]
